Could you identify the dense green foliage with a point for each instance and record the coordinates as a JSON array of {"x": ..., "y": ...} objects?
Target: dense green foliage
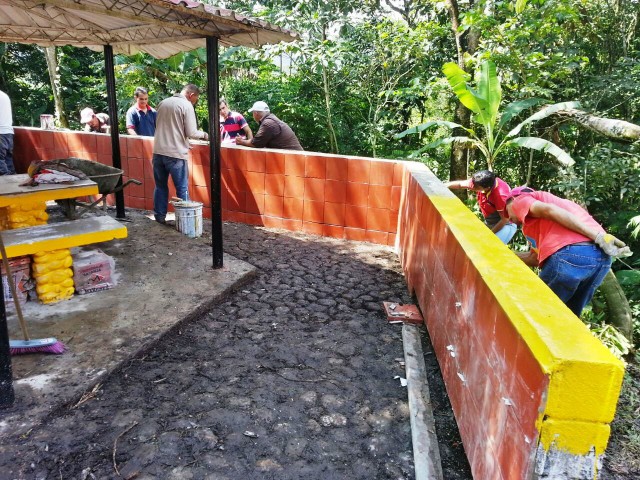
[{"x": 363, "y": 72}]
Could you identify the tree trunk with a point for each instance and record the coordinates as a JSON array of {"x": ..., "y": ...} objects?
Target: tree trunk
[
  {"x": 619, "y": 312},
  {"x": 333, "y": 140},
  {"x": 52, "y": 65},
  {"x": 615, "y": 129}
]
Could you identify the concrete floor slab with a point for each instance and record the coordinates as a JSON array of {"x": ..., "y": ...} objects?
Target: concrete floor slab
[{"x": 163, "y": 278}]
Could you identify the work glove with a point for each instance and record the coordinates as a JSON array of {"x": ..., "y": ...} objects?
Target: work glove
[{"x": 612, "y": 246}]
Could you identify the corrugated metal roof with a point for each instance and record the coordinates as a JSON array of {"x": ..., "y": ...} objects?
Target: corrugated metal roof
[{"x": 158, "y": 27}]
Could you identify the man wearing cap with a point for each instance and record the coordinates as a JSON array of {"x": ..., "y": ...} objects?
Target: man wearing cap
[
  {"x": 273, "y": 132},
  {"x": 175, "y": 125},
  {"x": 141, "y": 117},
  {"x": 95, "y": 122},
  {"x": 572, "y": 250},
  {"x": 6, "y": 136}
]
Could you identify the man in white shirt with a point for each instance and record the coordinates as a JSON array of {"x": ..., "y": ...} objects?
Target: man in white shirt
[
  {"x": 175, "y": 125},
  {"x": 6, "y": 136}
]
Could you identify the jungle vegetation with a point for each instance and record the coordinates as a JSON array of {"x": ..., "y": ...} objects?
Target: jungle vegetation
[{"x": 363, "y": 72}]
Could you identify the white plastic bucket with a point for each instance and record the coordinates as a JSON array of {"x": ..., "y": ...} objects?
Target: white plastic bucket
[
  {"x": 189, "y": 218},
  {"x": 46, "y": 122}
]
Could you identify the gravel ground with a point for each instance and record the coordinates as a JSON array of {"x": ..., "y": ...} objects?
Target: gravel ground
[{"x": 293, "y": 377}]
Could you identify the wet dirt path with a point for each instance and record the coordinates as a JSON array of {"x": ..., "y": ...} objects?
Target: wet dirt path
[{"x": 290, "y": 378}]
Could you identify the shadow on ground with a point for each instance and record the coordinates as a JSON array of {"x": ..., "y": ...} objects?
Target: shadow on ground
[{"x": 293, "y": 376}]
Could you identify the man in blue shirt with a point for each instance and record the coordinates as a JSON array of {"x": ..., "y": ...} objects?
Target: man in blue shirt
[{"x": 141, "y": 118}]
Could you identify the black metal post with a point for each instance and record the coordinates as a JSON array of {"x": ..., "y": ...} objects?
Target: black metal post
[
  {"x": 7, "y": 396},
  {"x": 214, "y": 149},
  {"x": 113, "y": 116}
]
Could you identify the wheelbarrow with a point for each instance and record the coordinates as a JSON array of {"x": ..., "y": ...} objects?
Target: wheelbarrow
[{"x": 105, "y": 176}]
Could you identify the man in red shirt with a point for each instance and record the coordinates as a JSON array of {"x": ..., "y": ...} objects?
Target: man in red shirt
[
  {"x": 491, "y": 192},
  {"x": 572, "y": 250}
]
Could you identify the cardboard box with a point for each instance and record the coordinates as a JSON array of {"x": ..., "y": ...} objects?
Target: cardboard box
[
  {"x": 21, "y": 270},
  {"x": 92, "y": 271}
]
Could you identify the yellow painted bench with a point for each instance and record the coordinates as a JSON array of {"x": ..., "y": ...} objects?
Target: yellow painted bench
[{"x": 49, "y": 245}]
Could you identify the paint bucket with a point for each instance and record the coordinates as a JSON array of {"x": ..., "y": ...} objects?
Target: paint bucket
[
  {"x": 46, "y": 122},
  {"x": 188, "y": 218}
]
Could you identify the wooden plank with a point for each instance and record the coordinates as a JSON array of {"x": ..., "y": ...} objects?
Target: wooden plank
[
  {"x": 57, "y": 236},
  {"x": 11, "y": 193}
]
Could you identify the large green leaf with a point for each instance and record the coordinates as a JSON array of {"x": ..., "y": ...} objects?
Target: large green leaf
[
  {"x": 457, "y": 78},
  {"x": 515, "y": 108},
  {"x": 433, "y": 123},
  {"x": 543, "y": 145},
  {"x": 544, "y": 113},
  {"x": 489, "y": 89}
]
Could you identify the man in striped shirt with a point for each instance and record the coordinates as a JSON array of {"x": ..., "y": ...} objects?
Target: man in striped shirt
[{"x": 232, "y": 124}]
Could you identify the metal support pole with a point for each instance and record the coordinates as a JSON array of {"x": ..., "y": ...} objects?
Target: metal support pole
[
  {"x": 7, "y": 396},
  {"x": 214, "y": 149},
  {"x": 113, "y": 116}
]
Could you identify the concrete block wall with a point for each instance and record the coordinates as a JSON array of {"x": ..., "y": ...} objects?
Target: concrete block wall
[{"x": 532, "y": 390}]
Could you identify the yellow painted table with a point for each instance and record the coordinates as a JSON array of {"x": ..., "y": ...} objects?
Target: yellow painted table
[
  {"x": 23, "y": 216},
  {"x": 11, "y": 193}
]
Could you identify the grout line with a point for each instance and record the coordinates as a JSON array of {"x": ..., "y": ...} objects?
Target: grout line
[{"x": 426, "y": 454}]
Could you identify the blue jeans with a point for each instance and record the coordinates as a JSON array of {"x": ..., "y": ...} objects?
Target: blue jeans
[
  {"x": 506, "y": 233},
  {"x": 574, "y": 272},
  {"x": 163, "y": 167},
  {"x": 6, "y": 154}
]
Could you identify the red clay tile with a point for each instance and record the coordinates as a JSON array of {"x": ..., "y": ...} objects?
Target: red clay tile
[
  {"x": 274, "y": 184},
  {"x": 274, "y": 163},
  {"x": 391, "y": 240},
  {"x": 315, "y": 167},
  {"x": 273, "y": 205},
  {"x": 136, "y": 202},
  {"x": 337, "y": 168},
  {"x": 355, "y": 234},
  {"x": 254, "y": 203},
  {"x": 396, "y": 193},
  {"x": 272, "y": 222},
  {"x": 292, "y": 224},
  {"x": 314, "y": 189},
  {"x": 60, "y": 143},
  {"x": 90, "y": 144},
  {"x": 236, "y": 201},
  {"x": 124, "y": 151},
  {"x": 333, "y": 231},
  {"x": 256, "y": 159},
  {"x": 359, "y": 170},
  {"x": 356, "y": 217},
  {"x": 255, "y": 182},
  {"x": 398, "y": 172},
  {"x": 376, "y": 237},
  {"x": 378, "y": 219},
  {"x": 103, "y": 144},
  {"x": 147, "y": 147},
  {"x": 334, "y": 213},
  {"x": 134, "y": 147},
  {"x": 313, "y": 211},
  {"x": 357, "y": 194},
  {"x": 237, "y": 181},
  {"x": 200, "y": 175},
  {"x": 313, "y": 228},
  {"x": 136, "y": 168},
  {"x": 393, "y": 222},
  {"x": 206, "y": 212},
  {"x": 335, "y": 191},
  {"x": 379, "y": 196},
  {"x": 251, "y": 219},
  {"x": 294, "y": 187},
  {"x": 294, "y": 164},
  {"x": 237, "y": 217},
  {"x": 381, "y": 172},
  {"x": 237, "y": 159},
  {"x": 200, "y": 194},
  {"x": 293, "y": 208}
]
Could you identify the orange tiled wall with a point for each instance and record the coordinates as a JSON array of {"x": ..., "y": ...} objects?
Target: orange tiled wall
[{"x": 338, "y": 196}]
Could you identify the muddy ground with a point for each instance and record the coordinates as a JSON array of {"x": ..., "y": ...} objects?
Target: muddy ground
[{"x": 293, "y": 377}]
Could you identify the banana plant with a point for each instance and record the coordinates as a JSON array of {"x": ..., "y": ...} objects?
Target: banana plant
[{"x": 484, "y": 102}]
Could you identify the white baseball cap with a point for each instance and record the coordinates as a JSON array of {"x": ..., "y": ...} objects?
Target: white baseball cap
[
  {"x": 259, "y": 107},
  {"x": 86, "y": 115}
]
